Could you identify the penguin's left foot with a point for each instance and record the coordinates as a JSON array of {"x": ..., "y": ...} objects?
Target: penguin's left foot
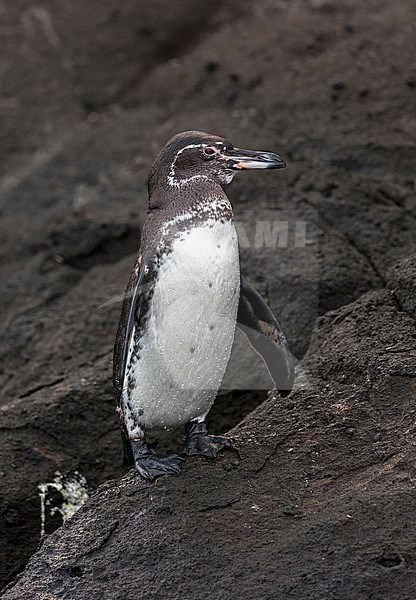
[
  {"x": 198, "y": 441},
  {"x": 150, "y": 465}
]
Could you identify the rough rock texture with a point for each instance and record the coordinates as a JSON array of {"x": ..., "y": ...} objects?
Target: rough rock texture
[
  {"x": 319, "y": 504},
  {"x": 88, "y": 95},
  {"x": 402, "y": 279}
]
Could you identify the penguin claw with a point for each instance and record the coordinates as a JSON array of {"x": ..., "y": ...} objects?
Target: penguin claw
[
  {"x": 199, "y": 442},
  {"x": 150, "y": 465}
]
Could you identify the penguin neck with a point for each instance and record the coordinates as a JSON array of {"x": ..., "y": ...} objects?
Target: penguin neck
[
  {"x": 188, "y": 195},
  {"x": 174, "y": 211}
]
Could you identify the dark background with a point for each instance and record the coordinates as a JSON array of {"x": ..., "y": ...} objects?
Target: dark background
[{"x": 89, "y": 92}]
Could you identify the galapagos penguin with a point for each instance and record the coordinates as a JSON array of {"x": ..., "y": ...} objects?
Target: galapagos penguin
[{"x": 185, "y": 297}]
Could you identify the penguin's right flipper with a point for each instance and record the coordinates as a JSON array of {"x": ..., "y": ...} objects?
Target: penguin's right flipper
[
  {"x": 258, "y": 323},
  {"x": 133, "y": 311}
]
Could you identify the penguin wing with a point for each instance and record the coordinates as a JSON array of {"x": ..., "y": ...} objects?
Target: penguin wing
[
  {"x": 256, "y": 320},
  {"x": 131, "y": 310}
]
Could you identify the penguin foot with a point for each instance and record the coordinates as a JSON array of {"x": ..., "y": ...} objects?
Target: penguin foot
[
  {"x": 150, "y": 465},
  {"x": 198, "y": 441}
]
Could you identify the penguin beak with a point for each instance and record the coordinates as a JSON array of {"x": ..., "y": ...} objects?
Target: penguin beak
[{"x": 238, "y": 159}]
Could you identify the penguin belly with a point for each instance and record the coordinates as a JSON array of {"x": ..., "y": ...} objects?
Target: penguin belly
[{"x": 187, "y": 339}]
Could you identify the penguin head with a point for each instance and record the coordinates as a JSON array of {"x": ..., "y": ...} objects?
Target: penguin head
[{"x": 195, "y": 156}]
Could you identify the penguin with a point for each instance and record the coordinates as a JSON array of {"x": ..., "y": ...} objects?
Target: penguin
[{"x": 185, "y": 298}]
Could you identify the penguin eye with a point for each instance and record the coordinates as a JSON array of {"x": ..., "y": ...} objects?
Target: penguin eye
[{"x": 209, "y": 151}]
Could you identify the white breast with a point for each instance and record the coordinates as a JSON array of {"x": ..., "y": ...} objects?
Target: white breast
[{"x": 189, "y": 335}]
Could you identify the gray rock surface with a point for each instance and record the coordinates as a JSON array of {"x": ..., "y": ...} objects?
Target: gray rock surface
[
  {"x": 319, "y": 503},
  {"x": 88, "y": 95},
  {"x": 402, "y": 277}
]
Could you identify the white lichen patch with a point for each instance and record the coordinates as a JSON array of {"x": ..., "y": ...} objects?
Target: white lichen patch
[{"x": 73, "y": 493}]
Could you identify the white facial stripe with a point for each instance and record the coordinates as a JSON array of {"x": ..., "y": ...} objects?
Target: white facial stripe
[
  {"x": 186, "y": 148},
  {"x": 173, "y": 180}
]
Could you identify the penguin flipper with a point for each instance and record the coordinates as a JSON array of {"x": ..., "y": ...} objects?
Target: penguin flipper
[
  {"x": 258, "y": 323},
  {"x": 131, "y": 312}
]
